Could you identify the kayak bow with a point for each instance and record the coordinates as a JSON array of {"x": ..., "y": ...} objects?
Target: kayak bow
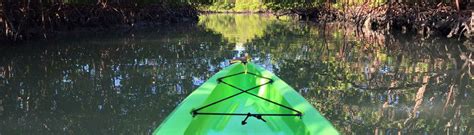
[{"x": 245, "y": 99}]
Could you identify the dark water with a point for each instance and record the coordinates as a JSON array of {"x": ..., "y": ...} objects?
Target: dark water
[{"x": 127, "y": 82}]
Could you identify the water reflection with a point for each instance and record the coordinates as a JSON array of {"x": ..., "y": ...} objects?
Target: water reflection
[
  {"x": 367, "y": 87},
  {"x": 363, "y": 82},
  {"x": 116, "y": 84},
  {"x": 237, "y": 28}
]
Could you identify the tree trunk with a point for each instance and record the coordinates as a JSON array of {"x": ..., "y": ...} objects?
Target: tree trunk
[
  {"x": 9, "y": 31},
  {"x": 456, "y": 4},
  {"x": 43, "y": 20},
  {"x": 103, "y": 3},
  {"x": 3, "y": 22}
]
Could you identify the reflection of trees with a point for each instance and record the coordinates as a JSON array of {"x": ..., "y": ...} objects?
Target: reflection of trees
[
  {"x": 106, "y": 84},
  {"x": 364, "y": 82},
  {"x": 237, "y": 28},
  {"x": 367, "y": 82}
]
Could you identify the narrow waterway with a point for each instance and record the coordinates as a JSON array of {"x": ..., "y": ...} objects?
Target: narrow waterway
[{"x": 127, "y": 82}]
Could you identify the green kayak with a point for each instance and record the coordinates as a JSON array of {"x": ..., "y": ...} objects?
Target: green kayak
[{"x": 245, "y": 99}]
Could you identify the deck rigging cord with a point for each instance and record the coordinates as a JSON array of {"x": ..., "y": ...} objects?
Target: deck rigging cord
[{"x": 259, "y": 116}]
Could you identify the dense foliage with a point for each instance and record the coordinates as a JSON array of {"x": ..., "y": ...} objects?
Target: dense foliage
[
  {"x": 276, "y": 5},
  {"x": 25, "y": 19}
]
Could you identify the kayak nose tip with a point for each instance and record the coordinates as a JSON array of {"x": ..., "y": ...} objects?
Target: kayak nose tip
[{"x": 271, "y": 81}]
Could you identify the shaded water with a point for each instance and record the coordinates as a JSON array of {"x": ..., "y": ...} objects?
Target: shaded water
[{"x": 129, "y": 81}]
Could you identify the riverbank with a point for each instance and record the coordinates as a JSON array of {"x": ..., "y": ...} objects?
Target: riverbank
[
  {"x": 39, "y": 22},
  {"x": 424, "y": 20},
  {"x": 24, "y": 21}
]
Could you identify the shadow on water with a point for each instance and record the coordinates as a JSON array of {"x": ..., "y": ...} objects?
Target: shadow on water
[{"x": 116, "y": 82}]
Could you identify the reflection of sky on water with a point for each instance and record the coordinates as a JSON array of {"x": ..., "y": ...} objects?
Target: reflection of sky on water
[
  {"x": 197, "y": 81},
  {"x": 266, "y": 62}
]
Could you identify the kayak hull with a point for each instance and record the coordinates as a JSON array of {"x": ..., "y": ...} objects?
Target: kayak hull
[{"x": 245, "y": 99}]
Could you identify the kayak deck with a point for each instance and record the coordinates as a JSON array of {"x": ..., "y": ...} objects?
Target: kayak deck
[{"x": 245, "y": 99}]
